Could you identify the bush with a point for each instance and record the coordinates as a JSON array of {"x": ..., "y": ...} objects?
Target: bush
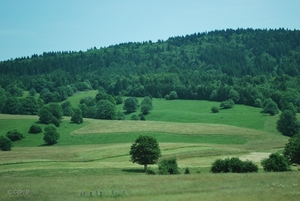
[
  {"x": 34, "y": 129},
  {"x": 150, "y": 171},
  {"x": 275, "y": 163},
  {"x": 135, "y": 117},
  {"x": 77, "y": 116},
  {"x": 187, "y": 171},
  {"x": 219, "y": 166},
  {"x": 168, "y": 166},
  {"x": 142, "y": 117},
  {"x": 5, "y": 143},
  {"x": 214, "y": 109},
  {"x": 270, "y": 107},
  {"x": 227, "y": 104},
  {"x": 51, "y": 135},
  {"x": 233, "y": 165},
  {"x": 120, "y": 115},
  {"x": 14, "y": 135},
  {"x": 248, "y": 166},
  {"x": 55, "y": 121},
  {"x": 171, "y": 96},
  {"x": 292, "y": 149}
]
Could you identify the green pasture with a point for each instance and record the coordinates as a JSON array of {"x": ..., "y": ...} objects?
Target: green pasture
[{"x": 94, "y": 156}]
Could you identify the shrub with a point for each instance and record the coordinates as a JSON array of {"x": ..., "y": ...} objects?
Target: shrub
[
  {"x": 249, "y": 166},
  {"x": 214, "y": 109},
  {"x": 227, "y": 104},
  {"x": 14, "y": 135},
  {"x": 233, "y": 165},
  {"x": 168, "y": 166},
  {"x": 5, "y": 143},
  {"x": 120, "y": 115},
  {"x": 275, "y": 163},
  {"x": 77, "y": 116},
  {"x": 119, "y": 100},
  {"x": 171, "y": 96},
  {"x": 150, "y": 171},
  {"x": 51, "y": 135},
  {"x": 55, "y": 121},
  {"x": 142, "y": 117},
  {"x": 292, "y": 149},
  {"x": 34, "y": 129},
  {"x": 187, "y": 171},
  {"x": 135, "y": 117}
]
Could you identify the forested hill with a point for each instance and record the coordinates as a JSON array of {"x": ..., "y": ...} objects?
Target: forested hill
[{"x": 255, "y": 63}]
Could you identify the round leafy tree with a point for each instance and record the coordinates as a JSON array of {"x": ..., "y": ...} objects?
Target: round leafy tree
[
  {"x": 77, "y": 116},
  {"x": 292, "y": 149},
  {"x": 105, "y": 110},
  {"x": 14, "y": 135},
  {"x": 130, "y": 104},
  {"x": 144, "y": 151},
  {"x": 5, "y": 143},
  {"x": 288, "y": 124},
  {"x": 168, "y": 166},
  {"x": 34, "y": 129},
  {"x": 275, "y": 163},
  {"x": 270, "y": 107},
  {"x": 51, "y": 135}
]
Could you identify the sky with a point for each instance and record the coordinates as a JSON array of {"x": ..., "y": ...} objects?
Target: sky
[{"x": 30, "y": 27}]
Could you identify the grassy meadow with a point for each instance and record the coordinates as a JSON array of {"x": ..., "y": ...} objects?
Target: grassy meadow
[{"x": 94, "y": 156}]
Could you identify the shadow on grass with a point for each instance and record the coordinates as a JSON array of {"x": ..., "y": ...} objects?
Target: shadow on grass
[{"x": 134, "y": 170}]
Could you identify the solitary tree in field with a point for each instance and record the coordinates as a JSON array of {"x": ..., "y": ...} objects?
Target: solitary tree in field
[
  {"x": 145, "y": 150},
  {"x": 288, "y": 124}
]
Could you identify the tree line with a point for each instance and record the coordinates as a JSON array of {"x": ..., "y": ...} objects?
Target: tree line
[{"x": 247, "y": 66}]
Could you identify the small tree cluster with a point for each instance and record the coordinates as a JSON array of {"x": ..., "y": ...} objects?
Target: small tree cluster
[
  {"x": 168, "y": 166},
  {"x": 275, "y": 163},
  {"x": 5, "y": 143},
  {"x": 233, "y": 165},
  {"x": 227, "y": 104},
  {"x": 51, "y": 113}
]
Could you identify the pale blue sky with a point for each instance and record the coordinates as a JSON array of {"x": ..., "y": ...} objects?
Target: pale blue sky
[{"x": 35, "y": 26}]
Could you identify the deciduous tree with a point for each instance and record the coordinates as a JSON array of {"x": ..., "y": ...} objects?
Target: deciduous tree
[
  {"x": 292, "y": 149},
  {"x": 51, "y": 135},
  {"x": 288, "y": 124},
  {"x": 144, "y": 151}
]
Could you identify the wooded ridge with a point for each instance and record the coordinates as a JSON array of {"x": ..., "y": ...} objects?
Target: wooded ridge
[{"x": 245, "y": 65}]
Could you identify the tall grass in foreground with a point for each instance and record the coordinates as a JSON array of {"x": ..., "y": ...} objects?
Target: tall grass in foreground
[{"x": 137, "y": 186}]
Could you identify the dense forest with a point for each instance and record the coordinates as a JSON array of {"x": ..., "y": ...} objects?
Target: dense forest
[{"x": 245, "y": 65}]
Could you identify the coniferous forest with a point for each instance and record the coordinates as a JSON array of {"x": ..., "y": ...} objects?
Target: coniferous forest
[{"x": 248, "y": 66}]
